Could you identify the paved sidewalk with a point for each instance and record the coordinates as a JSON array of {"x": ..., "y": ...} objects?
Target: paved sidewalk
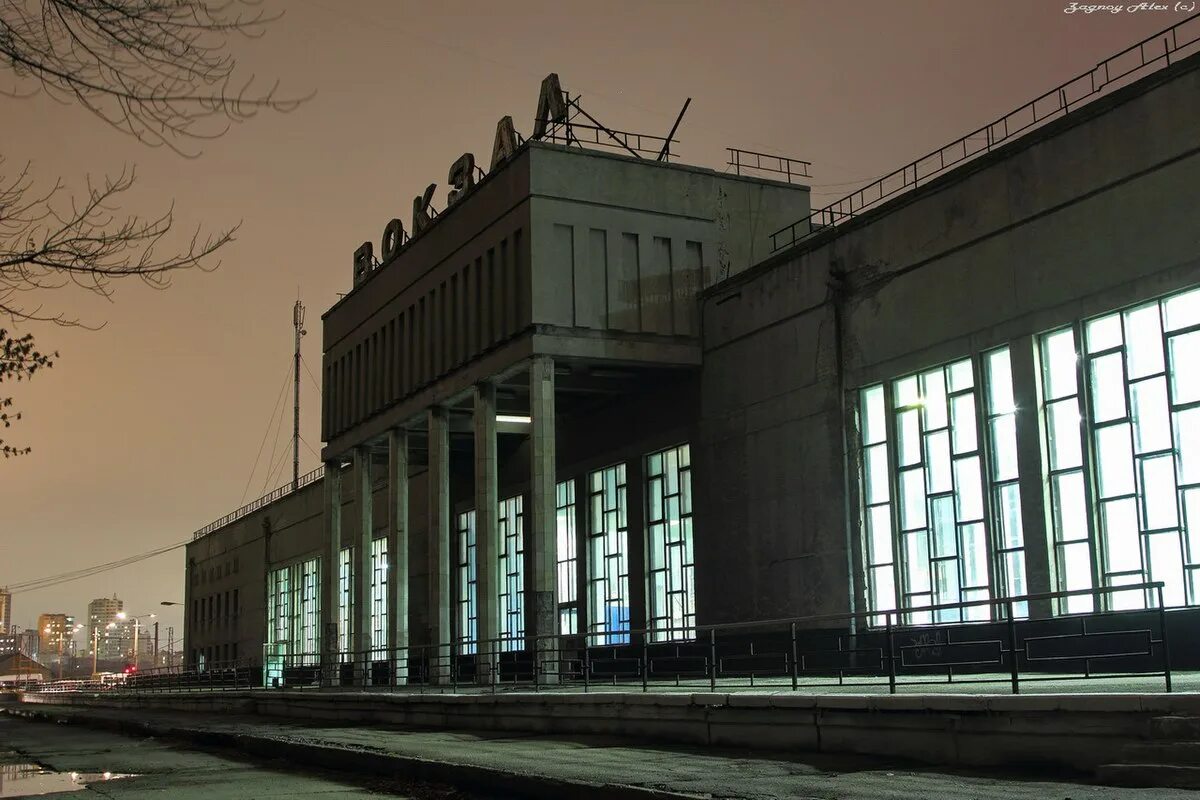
[{"x": 611, "y": 768}]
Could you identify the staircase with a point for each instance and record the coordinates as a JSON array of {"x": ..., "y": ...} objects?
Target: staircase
[{"x": 1170, "y": 757}]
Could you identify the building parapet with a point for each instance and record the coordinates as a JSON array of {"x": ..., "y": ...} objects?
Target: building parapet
[
  {"x": 266, "y": 499},
  {"x": 1147, "y": 56}
]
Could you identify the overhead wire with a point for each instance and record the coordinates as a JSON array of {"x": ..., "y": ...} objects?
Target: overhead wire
[
  {"x": 310, "y": 449},
  {"x": 316, "y": 384},
  {"x": 278, "y": 400},
  {"x": 275, "y": 444},
  {"x": 87, "y": 572}
]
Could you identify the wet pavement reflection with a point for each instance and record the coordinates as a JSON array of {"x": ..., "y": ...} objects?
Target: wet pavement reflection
[{"x": 26, "y": 780}]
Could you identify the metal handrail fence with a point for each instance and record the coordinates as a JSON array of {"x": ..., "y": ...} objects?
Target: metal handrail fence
[
  {"x": 868, "y": 651},
  {"x": 233, "y": 516},
  {"x": 1059, "y": 101}
]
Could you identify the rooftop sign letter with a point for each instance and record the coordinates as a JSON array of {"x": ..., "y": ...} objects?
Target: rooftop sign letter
[{"x": 550, "y": 103}]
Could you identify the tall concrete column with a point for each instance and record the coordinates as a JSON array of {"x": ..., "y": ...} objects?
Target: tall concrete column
[
  {"x": 487, "y": 543},
  {"x": 398, "y": 551},
  {"x": 1039, "y": 544},
  {"x": 332, "y": 518},
  {"x": 543, "y": 527},
  {"x": 635, "y": 515},
  {"x": 439, "y": 544},
  {"x": 362, "y": 568}
]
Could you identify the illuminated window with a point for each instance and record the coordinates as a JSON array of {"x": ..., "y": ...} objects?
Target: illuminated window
[
  {"x": 379, "y": 595},
  {"x": 467, "y": 600},
  {"x": 1122, "y": 420},
  {"x": 942, "y": 521},
  {"x": 293, "y": 610},
  {"x": 671, "y": 570},
  {"x": 279, "y": 601},
  {"x": 568, "y": 589},
  {"x": 310, "y": 611},
  {"x": 345, "y": 602},
  {"x": 511, "y": 528},
  {"x": 608, "y": 559}
]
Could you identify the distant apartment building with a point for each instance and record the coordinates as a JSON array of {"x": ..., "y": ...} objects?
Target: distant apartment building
[
  {"x": 5, "y": 611},
  {"x": 28, "y": 641},
  {"x": 103, "y": 612},
  {"x": 56, "y": 634}
]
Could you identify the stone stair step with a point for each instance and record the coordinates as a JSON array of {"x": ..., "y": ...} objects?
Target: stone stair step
[
  {"x": 1149, "y": 775},
  {"x": 1175, "y": 728},
  {"x": 1163, "y": 752}
]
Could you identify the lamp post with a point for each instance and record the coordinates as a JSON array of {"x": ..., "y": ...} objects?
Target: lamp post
[
  {"x": 170, "y": 642},
  {"x": 96, "y": 643},
  {"x": 136, "y": 628}
]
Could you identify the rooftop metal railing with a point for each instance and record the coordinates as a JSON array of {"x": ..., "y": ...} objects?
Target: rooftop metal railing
[
  {"x": 266, "y": 499},
  {"x": 883, "y": 651},
  {"x": 1133, "y": 62}
]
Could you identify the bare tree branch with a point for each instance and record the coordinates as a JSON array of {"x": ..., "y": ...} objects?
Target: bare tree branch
[
  {"x": 48, "y": 241},
  {"x": 158, "y": 70}
]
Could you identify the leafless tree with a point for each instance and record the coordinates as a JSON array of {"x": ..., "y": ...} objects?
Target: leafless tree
[
  {"x": 161, "y": 71},
  {"x": 19, "y": 360}
]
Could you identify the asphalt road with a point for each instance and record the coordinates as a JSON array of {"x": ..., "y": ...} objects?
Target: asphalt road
[
  {"x": 165, "y": 772},
  {"x": 601, "y": 764}
]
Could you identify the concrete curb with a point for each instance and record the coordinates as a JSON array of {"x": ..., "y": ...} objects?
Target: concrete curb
[{"x": 304, "y": 755}]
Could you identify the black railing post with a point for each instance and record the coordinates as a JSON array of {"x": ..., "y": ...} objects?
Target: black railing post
[
  {"x": 1162, "y": 626},
  {"x": 587, "y": 665},
  {"x": 645, "y": 663},
  {"x": 795, "y": 666},
  {"x": 712, "y": 655},
  {"x": 1012, "y": 646},
  {"x": 891, "y": 654}
]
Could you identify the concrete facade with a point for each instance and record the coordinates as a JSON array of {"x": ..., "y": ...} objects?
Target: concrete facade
[
  {"x": 577, "y": 312},
  {"x": 1070, "y": 221}
]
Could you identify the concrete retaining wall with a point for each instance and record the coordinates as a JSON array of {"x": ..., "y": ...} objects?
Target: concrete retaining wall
[{"x": 1075, "y": 731}]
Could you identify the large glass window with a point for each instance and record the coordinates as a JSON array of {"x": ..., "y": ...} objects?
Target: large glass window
[
  {"x": 608, "y": 557},
  {"x": 467, "y": 617},
  {"x": 671, "y": 568},
  {"x": 1121, "y": 406},
  {"x": 938, "y": 467},
  {"x": 279, "y": 608},
  {"x": 345, "y": 602},
  {"x": 379, "y": 604},
  {"x": 511, "y": 527},
  {"x": 308, "y": 640},
  {"x": 568, "y": 589},
  {"x": 293, "y": 610}
]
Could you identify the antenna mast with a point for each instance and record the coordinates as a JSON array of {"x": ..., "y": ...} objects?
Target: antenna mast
[{"x": 298, "y": 323}]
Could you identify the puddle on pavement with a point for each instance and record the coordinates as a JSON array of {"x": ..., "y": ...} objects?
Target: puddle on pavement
[{"x": 21, "y": 780}]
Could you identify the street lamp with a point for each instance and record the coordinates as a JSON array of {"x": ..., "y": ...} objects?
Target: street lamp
[
  {"x": 137, "y": 625},
  {"x": 170, "y": 637}
]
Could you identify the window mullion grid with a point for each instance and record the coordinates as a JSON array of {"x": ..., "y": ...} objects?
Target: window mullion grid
[
  {"x": 953, "y": 494},
  {"x": 1190, "y": 565},
  {"x": 1108, "y": 571},
  {"x": 1181, "y": 520},
  {"x": 1083, "y": 401},
  {"x": 981, "y": 380},
  {"x": 1000, "y": 558},
  {"x": 872, "y": 562},
  {"x": 891, "y": 447}
]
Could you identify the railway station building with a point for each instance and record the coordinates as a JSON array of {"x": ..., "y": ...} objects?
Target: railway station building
[{"x": 608, "y": 397}]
